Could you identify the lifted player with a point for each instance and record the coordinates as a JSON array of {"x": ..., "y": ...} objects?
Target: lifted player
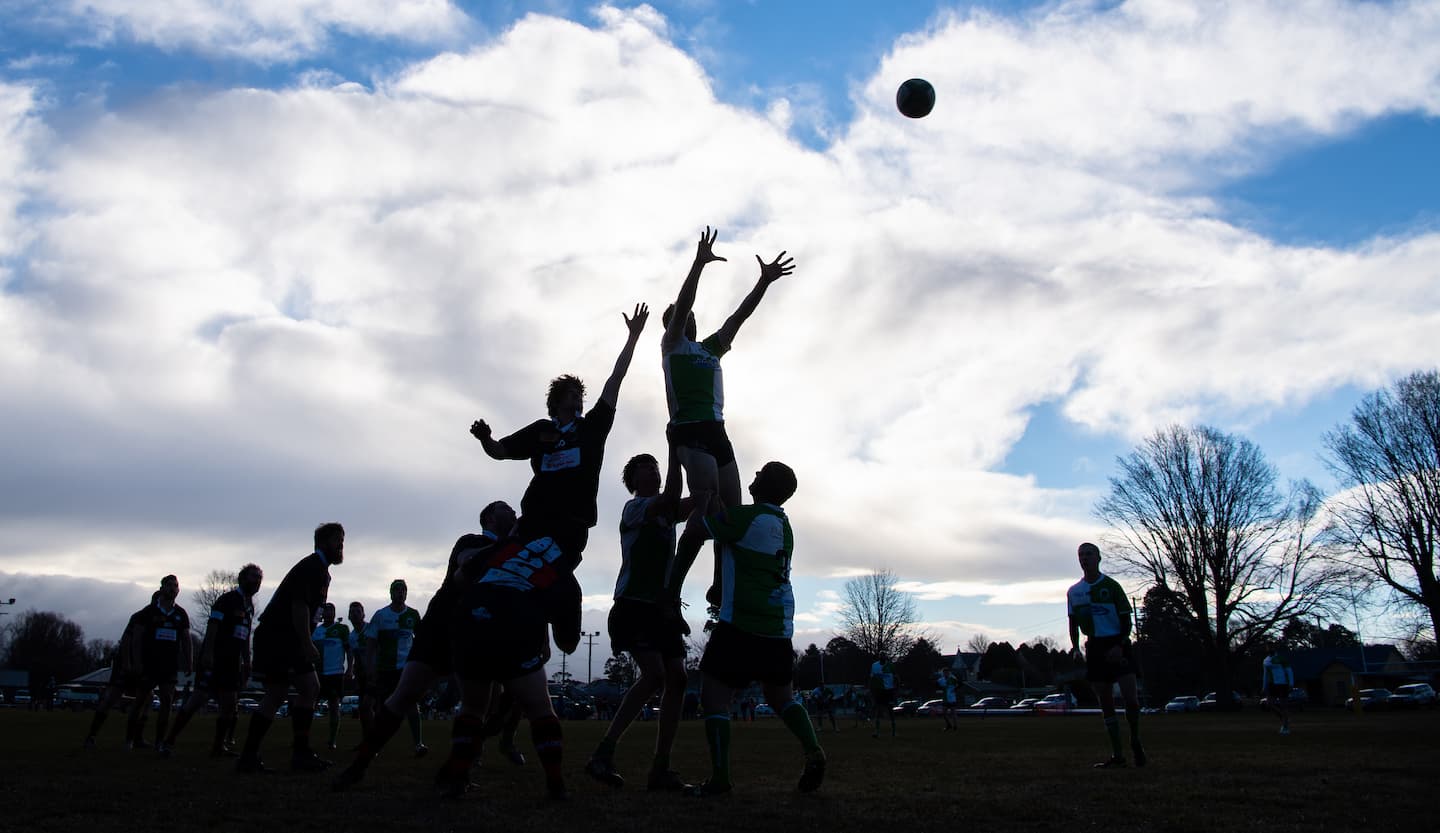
[{"x": 1099, "y": 608}]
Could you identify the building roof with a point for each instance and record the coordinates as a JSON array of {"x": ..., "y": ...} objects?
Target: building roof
[{"x": 1309, "y": 663}]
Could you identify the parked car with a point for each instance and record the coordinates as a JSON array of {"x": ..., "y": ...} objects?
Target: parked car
[
  {"x": 931, "y": 708},
  {"x": 21, "y": 697},
  {"x": 76, "y": 699},
  {"x": 1183, "y": 704},
  {"x": 246, "y": 705},
  {"x": 1028, "y": 704},
  {"x": 1295, "y": 701},
  {"x": 349, "y": 704},
  {"x": 1059, "y": 702},
  {"x": 1209, "y": 703},
  {"x": 569, "y": 708},
  {"x": 905, "y": 707},
  {"x": 764, "y": 710},
  {"x": 992, "y": 703},
  {"x": 1371, "y": 698},
  {"x": 1413, "y": 695}
]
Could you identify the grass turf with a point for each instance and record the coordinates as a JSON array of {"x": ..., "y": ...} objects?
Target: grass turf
[{"x": 1338, "y": 771}]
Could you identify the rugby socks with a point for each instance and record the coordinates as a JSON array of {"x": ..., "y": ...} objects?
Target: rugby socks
[
  {"x": 465, "y": 736},
  {"x": 259, "y": 725},
  {"x": 222, "y": 731},
  {"x": 606, "y": 749},
  {"x": 382, "y": 729},
  {"x": 1112, "y": 728},
  {"x": 1132, "y": 717},
  {"x": 717, "y": 736},
  {"x": 300, "y": 722},
  {"x": 334, "y": 724},
  {"x": 413, "y": 718},
  {"x": 797, "y": 720},
  {"x": 550, "y": 747}
]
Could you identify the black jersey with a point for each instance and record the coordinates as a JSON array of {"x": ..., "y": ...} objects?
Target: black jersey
[
  {"x": 232, "y": 617},
  {"x": 160, "y": 633},
  {"x": 308, "y": 582},
  {"x": 565, "y": 463}
]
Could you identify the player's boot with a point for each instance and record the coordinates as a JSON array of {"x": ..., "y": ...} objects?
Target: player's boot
[
  {"x": 665, "y": 780},
  {"x": 1116, "y": 762},
  {"x": 709, "y": 789},
  {"x": 513, "y": 755},
  {"x": 421, "y": 750},
  {"x": 453, "y": 781},
  {"x": 164, "y": 750},
  {"x": 308, "y": 761},
  {"x": 813, "y": 774},
  {"x": 603, "y": 770}
]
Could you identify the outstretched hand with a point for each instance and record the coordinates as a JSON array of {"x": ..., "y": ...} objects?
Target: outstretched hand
[
  {"x": 479, "y": 430},
  {"x": 703, "y": 254},
  {"x": 777, "y": 269},
  {"x": 635, "y": 324}
]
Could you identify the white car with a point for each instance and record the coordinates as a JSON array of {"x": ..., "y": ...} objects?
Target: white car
[
  {"x": 1412, "y": 695},
  {"x": 1180, "y": 705},
  {"x": 1062, "y": 702}
]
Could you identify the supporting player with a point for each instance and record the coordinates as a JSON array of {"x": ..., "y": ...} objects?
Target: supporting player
[
  {"x": 163, "y": 644},
  {"x": 1279, "y": 679},
  {"x": 124, "y": 677},
  {"x": 950, "y": 696},
  {"x": 882, "y": 692},
  {"x": 224, "y": 661},
  {"x": 389, "y": 636},
  {"x": 1099, "y": 608},
  {"x": 752, "y": 639},
  {"x": 332, "y": 639},
  {"x": 643, "y": 620},
  {"x": 694, "y": 389},
  {"x": 430, "y": 659},
  {"x": 531, "y": 583},
  {"x": 358, "y": 670},
  {"x": 285, "y": 656}
]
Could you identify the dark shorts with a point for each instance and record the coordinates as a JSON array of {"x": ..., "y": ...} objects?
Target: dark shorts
[
  {"x": 277, "y": 656},
  {"x": 499, "y": 634},
  {"x": 332, "y": 686},
  {"x": 709, "y": 437},
  {"x": 386, "y": 682},
  {"x": 223, "y": 677},
  {"x": 883, "y": 697},
  {"x": 432, "y": 646},
  {"x": 1281, "y": 692},
  {"x": 641, "y": 626},
  {"x": 1098, "y": 669},
  {"x": 737, "y": 658}
]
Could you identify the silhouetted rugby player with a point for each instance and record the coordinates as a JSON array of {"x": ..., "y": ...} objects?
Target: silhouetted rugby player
[
  {"x": 284, "y": 654},
  {"x": 163, "y": 641}
]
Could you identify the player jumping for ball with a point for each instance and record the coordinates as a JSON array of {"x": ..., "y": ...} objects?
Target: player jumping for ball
[
  {"x": 1099, "y": 609},
  {"x": 694, "y": 390}
]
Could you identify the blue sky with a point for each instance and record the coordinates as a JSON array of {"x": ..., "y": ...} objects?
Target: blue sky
[{"x": 230, "y": 232}]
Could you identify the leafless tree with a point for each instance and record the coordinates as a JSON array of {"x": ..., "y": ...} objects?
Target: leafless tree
[
  {"x": 978, "y": 643},
  {"x": 215, "y": 584},
  {"x": 1197, "y": 511},
  {"x": 877, "y": 617},
  {"x": 1386, "y": 519}
]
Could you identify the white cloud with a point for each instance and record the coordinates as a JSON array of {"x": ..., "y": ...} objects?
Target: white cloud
[
  {"x": 266, "y": 31},
  {"x": 247, "y": 311}
]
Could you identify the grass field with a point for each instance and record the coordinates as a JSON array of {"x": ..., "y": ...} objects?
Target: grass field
[{"x": 1338, "y": 771}]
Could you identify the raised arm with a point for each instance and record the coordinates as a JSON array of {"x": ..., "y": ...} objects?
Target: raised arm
[
  {"x": 480, "y": 430},
  {"x": 670, "y": 505},
  {"x": 769, "y": 273},
  {"x": 635, "y": 325},
  {"x": 685, "y": 301}
]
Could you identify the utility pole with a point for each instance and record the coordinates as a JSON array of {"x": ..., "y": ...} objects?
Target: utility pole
[{"x": 589, "y": 655}]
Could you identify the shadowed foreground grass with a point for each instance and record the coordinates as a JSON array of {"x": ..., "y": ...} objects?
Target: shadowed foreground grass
[{"x": 1338, "y": 771}]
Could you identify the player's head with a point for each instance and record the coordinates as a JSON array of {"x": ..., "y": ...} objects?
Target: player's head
[
  {"x": 357, "y": 613},
  {"x": 398, "y": 591},
  {"x": 566, "y": 398},
  {"x": 249, "y": 579},
  {"x": 774, "y": 483},
  {"x": 330, "y": 541},
  {"x": 1089, "y": 556},
  {"x": 169, "y": 589},
  {"x": 690, "y": 328},
  {"x": 641, "y": 475},
  {"x": 327, "y": 613},
  {"x": 498, "y": 518}
]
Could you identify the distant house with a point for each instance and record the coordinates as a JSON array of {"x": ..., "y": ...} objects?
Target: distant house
[{"x": 1327, "y": 674}]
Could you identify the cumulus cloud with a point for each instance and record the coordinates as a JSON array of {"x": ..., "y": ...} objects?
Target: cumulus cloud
[
  {"x": 246, "y": 311},
  {"x": 266, "y": 31}
]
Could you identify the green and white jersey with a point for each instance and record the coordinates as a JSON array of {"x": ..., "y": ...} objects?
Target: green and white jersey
[
  {"x": 1099, "y": 608},
  {"x": 393, "y": 634},
  {"x": 331, "y": 640},
  {"x": 694, "y": 388},
  {"x": 1277, "y": 672},
  {"x": 647, "y": 546},
  {"x": 756, "y": 545}
]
